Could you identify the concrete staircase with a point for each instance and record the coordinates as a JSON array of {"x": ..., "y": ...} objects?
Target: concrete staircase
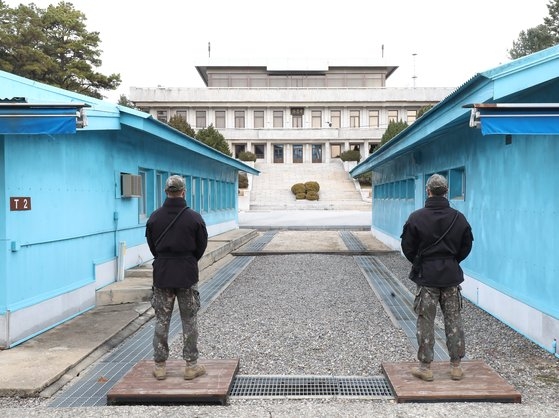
[
  {"x": 136, "y": 286},
  {"x": 271, "y": 190}
]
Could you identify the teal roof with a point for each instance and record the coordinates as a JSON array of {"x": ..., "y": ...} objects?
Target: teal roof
[
  {"x": 506, "y": 83},
  {"x": 102, "y": 115},
  {"x": 145, "y": 122}
]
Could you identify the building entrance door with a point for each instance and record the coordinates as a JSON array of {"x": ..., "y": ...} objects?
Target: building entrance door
[
  {"x": 317, "y": 153},
  {"x": 297, "y": 153},
  {"x": 278, "y": 153}
]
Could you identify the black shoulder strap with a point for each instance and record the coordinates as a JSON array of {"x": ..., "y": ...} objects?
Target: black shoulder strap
[
  {"x": 169, "y": 226},
  {"x": 443, "y": 235}
]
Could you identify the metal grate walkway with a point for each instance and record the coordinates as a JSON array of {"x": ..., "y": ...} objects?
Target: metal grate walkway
[
  {"x": 91, "y": 389},
  {"x": 398, "y": 302},
  {"x": 396, "y": 299},
  {"x": 369, "y": 387},
  {"x": 352, "y": 242}
]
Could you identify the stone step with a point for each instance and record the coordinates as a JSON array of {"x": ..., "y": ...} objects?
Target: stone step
[
  {"x": 144, "y": 270},
  {"x": 136, "y": 286},
  {"x": 312, "y": 205},
  {"x": 272, "y": 188}
]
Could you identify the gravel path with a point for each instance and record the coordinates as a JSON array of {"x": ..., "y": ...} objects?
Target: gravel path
[
  {"x": 301, "y": 314},
  {"x": 317, "y": 315}
]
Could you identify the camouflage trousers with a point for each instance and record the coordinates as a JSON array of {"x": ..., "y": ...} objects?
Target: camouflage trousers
[
  {"x": 425, "y": 306},
  {"x": 163, "y": 301}
]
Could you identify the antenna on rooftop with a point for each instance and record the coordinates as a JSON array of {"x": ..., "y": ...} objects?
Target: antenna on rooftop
[
  {"x": 209, "y": 49},
  {"x": 414, "y": 77},
  {"x": 382, "y": 51}
]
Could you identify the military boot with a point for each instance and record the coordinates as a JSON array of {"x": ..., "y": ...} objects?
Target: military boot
[
  {"x": 192, "y": 371},
  {"x": 456, "y": 372},
  {"x": 423, "y": 372},
  {"x": 160, "y": 371}
]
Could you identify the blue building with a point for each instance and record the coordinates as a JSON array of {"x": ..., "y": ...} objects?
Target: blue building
[
  {"x": 496, "y": 139},
  {"x": 78, "y": 178}
]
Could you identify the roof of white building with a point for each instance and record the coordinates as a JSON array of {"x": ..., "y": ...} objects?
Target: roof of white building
[{"x": 294, "y": 65}]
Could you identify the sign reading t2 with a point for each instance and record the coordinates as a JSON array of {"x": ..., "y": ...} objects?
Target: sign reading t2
[{"x": 20, "y": 203}]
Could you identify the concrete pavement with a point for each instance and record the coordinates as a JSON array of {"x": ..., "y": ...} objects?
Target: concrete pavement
[
  {"x": 43, "y": 364},
  {"x": 306, "y": 219}
]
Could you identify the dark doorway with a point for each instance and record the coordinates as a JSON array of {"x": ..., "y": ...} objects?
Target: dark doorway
[
  {"x": 297, "y": 153},
  {"x": 278, "y": 153}
]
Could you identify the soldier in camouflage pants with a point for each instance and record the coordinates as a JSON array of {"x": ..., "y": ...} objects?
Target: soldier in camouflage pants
[
  {"x": 189, "y": 303},
  {"x": 436, "y": 239},
  {"x": 177, "y": 237},
  {"x": 425, "y": 306}
]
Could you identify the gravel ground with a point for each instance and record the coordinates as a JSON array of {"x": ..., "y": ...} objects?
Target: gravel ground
[{"x": 317, "y": 315}]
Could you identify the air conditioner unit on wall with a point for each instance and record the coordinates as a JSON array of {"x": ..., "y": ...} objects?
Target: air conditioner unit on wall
[{"x": 130, "y": 185}]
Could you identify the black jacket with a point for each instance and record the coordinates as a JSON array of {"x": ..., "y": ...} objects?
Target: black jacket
[
  {"x": 176, "y": 256},
  {"x": 440, "y": 266}
]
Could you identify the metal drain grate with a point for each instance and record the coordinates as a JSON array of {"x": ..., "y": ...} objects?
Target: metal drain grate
[
  {"x": 261, "y": 242},
  {"x": 370, "y": 387},
  {"x": 352, "y": 242},
  {"x": 398, "y": 302}
]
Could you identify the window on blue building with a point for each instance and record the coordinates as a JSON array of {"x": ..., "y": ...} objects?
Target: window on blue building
[
  {"x": 142, "y": 200},
  {"x": 456, "y": 184},
  {"x": 203, "y": 206},
  {"x": 456, "y": 178},
  {"x": 195, "y": 205},
  {"x": 188, "y": 193},
  {"x": 159, "y": 189},
  {"x": 410, "y": 189}
]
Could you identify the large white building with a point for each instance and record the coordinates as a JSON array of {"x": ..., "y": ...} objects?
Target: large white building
[{"x": 309, "y": 114}]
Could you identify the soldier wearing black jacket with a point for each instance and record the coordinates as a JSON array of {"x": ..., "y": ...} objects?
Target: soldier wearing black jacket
[
  {"x": 437, "y": 273},
  {"x": 177, "y": 238}
]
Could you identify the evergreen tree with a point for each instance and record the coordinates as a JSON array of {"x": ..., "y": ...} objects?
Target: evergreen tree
[
  {"x": 540, "y": 37},
  {"x": 52, "y": 46},
  {"x": 530, "y": 41},
  {"x": 211, "y": 136},
  {"x": 393, "y": 129},
  {"x": 422, "y": 110},
  {"x": 123, "y": 101},
  {"x": 180, "y": 124},
  {"x": 552, "y": 21}
]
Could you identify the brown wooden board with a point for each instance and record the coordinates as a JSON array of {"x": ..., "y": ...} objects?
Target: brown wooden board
[
  {"x": 138, "y": 386},
  {"x": 480, "y": 384}
]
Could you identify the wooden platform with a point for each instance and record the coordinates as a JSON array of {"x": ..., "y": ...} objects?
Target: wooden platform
[
  {"x": 480, "y": 384},
  {"x": 138, "y": 386}
]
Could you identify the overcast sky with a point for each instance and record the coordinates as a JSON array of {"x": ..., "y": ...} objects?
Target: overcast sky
[{"x": 152, "y": 43}]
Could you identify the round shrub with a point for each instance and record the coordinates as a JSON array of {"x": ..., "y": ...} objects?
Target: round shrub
[
  {"x": 351, "y": 155},
  {"x": 247, "y": 156},
  {"x": 312, "y": 195},
  {"x": 300, "y": 196},
  {"x": 298, "y": 188},
  {"x": 312, "y": 186},
  {"x": 366, "y": 179}
]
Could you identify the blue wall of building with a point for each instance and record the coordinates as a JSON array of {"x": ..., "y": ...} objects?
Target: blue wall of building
[
  {"x": 67, "y": 226},
  {"x": 57, "y": 254},
  {"x": 504, "y": 180},
  {"x": 510, "y": 200},
  {"x": 78, "y": 216},
  {"x": 514, "y": 212},
  {"x": 511, "y": 203}
]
